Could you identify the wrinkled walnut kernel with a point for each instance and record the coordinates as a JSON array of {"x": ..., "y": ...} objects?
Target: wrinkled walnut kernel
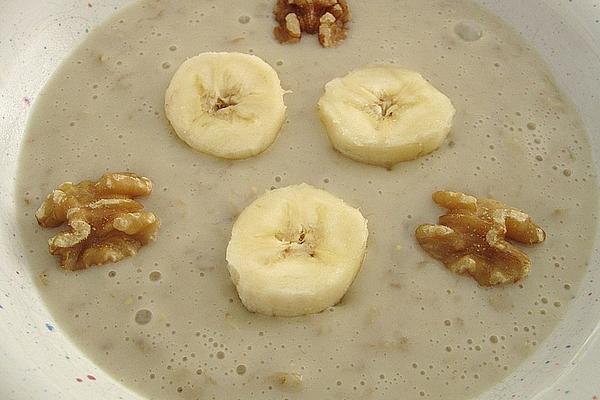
[
  {"x": 327, "y": 18},
  {"x": 471, "y": 238},
  {"x": 106, "y": 224}
]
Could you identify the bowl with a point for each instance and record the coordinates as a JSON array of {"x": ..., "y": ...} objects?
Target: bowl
[{"x": 37, "y": 360}]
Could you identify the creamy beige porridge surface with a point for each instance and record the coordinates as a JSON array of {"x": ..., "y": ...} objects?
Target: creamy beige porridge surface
[{"x": 168, "y": 324}]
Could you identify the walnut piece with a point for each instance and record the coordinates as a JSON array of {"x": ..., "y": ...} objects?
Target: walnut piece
[
  {"x": 288, "y": 381},
  {"x": 106, "y": 224},
  {"x": 471, "y": 238},
  {"x": 327, "y": 18}
]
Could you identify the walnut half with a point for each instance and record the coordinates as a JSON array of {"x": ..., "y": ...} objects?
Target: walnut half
[
  {"x": 106, "y": 224},
  {"x": 471, "y": 238},
  {"x": 328, "y": 18}
]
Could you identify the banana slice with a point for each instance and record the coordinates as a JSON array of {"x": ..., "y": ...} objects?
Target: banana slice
[
  {"x": 296, "y": 251},
  {"x": 383, "y": 115},
  {"x": 229, "y": 105}
]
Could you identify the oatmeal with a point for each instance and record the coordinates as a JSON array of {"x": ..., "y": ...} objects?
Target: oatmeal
[{"x": 168, "y": 323}]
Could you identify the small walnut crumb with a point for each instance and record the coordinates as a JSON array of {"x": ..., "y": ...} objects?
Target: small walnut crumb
[
  {"x": 327, "y": 18},
  {"x": 106, "y": 224},
  {"x": 288, "y": 381},
  {"x": 471, "y": 238},
  {"x": 44, "y": 278}
]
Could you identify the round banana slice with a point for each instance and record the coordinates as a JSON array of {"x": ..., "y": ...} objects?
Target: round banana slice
[
  {"x": 229, "y": 105},
  {"x": 383, "y": 115},
  {"x": 296, "y": 251}
]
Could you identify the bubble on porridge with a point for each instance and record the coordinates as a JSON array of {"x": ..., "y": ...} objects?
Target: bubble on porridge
[
  {"x": 244, "y": 19},
  {"x": 143, "y": 316},
  {"x": 469, "y": 31},
  {"x": 240, "y": 369}
]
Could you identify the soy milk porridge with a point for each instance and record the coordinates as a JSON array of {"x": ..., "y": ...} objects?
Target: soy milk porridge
[{"x": 168, "y": 323}]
